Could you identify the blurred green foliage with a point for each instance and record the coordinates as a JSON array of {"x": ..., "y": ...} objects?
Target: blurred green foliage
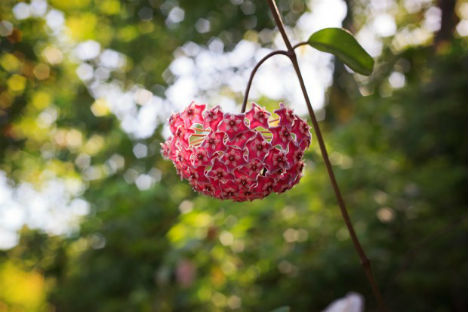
[{"x": 399, "y": 155}]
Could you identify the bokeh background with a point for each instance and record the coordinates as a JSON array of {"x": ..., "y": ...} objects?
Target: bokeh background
[{"x": 93, "y": 219}]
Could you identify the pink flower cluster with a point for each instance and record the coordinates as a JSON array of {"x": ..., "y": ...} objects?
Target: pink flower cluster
[{"x": 237, "y": 156}]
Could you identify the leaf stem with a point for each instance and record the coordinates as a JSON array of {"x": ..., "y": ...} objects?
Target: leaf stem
[
  {"x": 341, "y": 203},
  {"x": 300, "y": 44}
]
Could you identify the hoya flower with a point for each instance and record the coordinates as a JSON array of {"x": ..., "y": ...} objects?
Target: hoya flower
[{"x": 237, "y": 156}]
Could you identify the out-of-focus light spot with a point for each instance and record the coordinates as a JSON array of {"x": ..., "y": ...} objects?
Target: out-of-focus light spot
[
  {"x": 74, "y": 186},
  {"x": 218, "y": 299},
  {"x": 342, "y": 234},
  {"x": 291, "y": 235},
  {"x": 385, "y": 214},
  {"x": 407, "y": 38},
  {"x": 87, "y": 50},
  {"x": 83, "y": 161},
  {"x": 203, "y": 25},
  {"x": 8, "y": 239},
  {"x": 226, "y": 238},
  {"x": 6, "y": 28},
  {"x": 228, "y": 267},
  {"x": 52, "y": 55},
  {"x": 116, "y": 162},
  {"x": 384, "y": 25},
  {"x": 69, "y": 5},
  {"x": 216, "y": 45},
  {"x": 238, "y": 246},
  {"x": 38, "y": 7},
  {"x": 175, "y": 16},
  {"x": 21, "y": 11},
  {"x": 142, "y": 96},
  {"x": 55, "y": 19},
  {"x": 16, "y": 83},
  {"x": 342, "y": 160},
  {"x": 265, "y": 35},
  {"x": 146, "y": 27},
  {"x": 288, "y": 212},
  {"x": 324, "y": 13},
  {"x": 82, "y": 27},
  {"x": 155, "y": 174},
  {"x": 174, "y": 91},
  {"x": 380, "y": 5},
  {"x": 94, "y": 145},
  {"x": 186, "y": 206},
  {"x": 286, "y": 267},
  {"x": 41, "y": 100},
  {"x": 112, "y": 59},
  {"x": 182, "y": 66},
  {"x": 127, "y": 33},
  {"x": 41, "y": 71},
  {"x": 462, "y": 28},
  {"x": 47, "y": 117},
  {"x": 191, "y": 48},
  {"x": 237, "y": 2},
  {"x": 397, "y": 80},
  {"x": 15, "y": 216},
  {"x": 248, "y": 7},
  {"x": 140, "y": 150},
  {"x": 146, "y": 13},
  {"x": 462, "y": 10},
  {"x": 74, "y": 138},
  {"x": 380, "y": 197},
  {"x": 109, "y": 7},
  {"x": 102, "y": 73},
  {"x": 413, "y": 6},
  {"x": 97, "y": 241},
  {"x": 92, "y": 173},
  {"x": 241, "y": 53},
  {"x": 10, "y": 62},
  {"x": 432, "y": 19},
  {"x": 100, "y": 108},
  {"x": 367, "y": 37},
  {"x": 234, "y": 302},
  {"x": 85, "y": 72},
  {"x": 144, "y": 182}
]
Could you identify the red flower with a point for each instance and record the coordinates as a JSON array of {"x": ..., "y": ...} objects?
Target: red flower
[
  {"x": 257, "y": 117},
  {"x": 225, "y": 155}
]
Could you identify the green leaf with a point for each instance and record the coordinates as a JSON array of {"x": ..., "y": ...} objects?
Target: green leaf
[
  {"x": 342, "y": 44},
  {"x": 282, "y": 309}
]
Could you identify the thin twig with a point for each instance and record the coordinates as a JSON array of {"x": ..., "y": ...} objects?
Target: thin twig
[
  {"x": 344, "y": 212},
  {"x": 252, "y": 75}
]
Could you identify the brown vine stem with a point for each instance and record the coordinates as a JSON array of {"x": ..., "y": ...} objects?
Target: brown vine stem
[{"x": 344, "y": 212}]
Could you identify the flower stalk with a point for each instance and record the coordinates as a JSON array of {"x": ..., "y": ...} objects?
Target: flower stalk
[{"x": 290, "y": 53}]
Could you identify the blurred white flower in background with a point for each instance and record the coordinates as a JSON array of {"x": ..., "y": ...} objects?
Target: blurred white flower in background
[{"x": 353, "y": 302}]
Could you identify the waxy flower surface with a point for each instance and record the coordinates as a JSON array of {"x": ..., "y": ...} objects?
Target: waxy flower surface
[{"x": 237, "y": 156}]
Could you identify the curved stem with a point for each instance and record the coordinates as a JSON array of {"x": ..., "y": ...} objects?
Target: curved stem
[
  {"x": 341, "y": 203},
  {"x": 252, "y": 75},
  {"x": 300, "y": 44}
]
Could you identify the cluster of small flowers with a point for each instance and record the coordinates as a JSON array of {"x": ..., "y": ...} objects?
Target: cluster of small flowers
[{"x": 237, "y": 156}]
